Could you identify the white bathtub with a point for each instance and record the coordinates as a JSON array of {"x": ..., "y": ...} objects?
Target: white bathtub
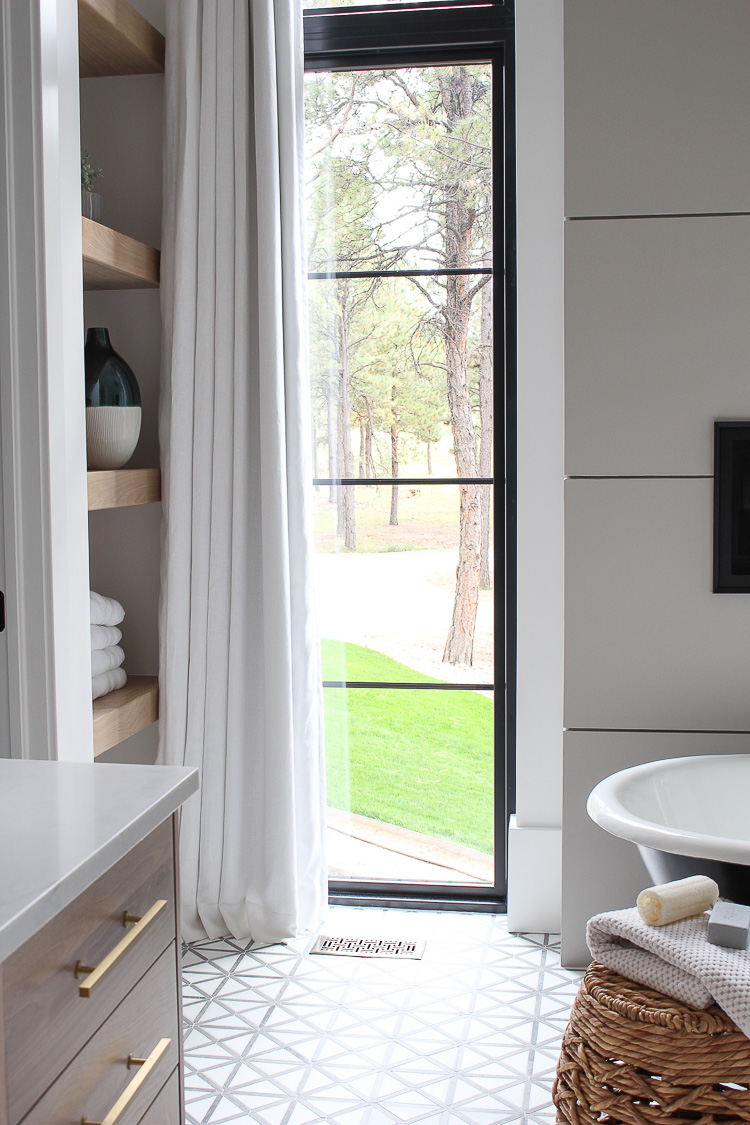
[{"x": 688, "y": 816}]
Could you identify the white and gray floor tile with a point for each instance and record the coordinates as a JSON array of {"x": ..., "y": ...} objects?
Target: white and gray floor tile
[{"x": 468, "y": 1035}]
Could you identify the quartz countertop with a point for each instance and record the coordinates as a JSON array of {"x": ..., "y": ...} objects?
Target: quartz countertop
[{"x": 63, "y": 824}]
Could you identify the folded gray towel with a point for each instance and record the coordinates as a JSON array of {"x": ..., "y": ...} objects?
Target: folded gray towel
[
  {"x": 105, "y": 611},
  {"x": 102, "y": 636},
  {"x": 104, "y": 659},
  {"x": 107, "y": 682},
  {"x": 675, "y": 959}
]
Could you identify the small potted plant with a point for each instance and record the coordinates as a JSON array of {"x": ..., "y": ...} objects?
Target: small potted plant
[{"x": 91, "y": 203}]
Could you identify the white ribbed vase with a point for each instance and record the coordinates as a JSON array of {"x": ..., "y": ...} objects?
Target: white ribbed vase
[{"x": 111, "y": 435}]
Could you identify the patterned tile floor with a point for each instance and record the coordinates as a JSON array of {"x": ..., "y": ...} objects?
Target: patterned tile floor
[{"x": 469, "y": 1035}]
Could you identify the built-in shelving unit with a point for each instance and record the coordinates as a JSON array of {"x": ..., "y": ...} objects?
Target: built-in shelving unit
[
  {"x": 115, "y": 39},
  {"x": 120, "y": 488},
  {"x": 115, "y": 261},
  {"x": 123, "y": 713}
]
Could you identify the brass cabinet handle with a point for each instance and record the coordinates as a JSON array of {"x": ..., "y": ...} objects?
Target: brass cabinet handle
[
  {"x": 132, "y": 1088},
  {"x": 97, "y": 972}
]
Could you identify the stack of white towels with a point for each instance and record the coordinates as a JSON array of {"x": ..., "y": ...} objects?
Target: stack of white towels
[{"x": 106, "y": 655}]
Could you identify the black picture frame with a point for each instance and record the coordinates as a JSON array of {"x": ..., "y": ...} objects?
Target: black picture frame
[{"x": 732, "y": 507}]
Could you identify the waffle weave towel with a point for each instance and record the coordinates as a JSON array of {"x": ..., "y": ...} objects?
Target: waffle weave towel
[{"x": 675, "y": 959}]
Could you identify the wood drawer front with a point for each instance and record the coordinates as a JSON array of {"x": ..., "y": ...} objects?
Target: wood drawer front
[
  {"x": 166, "y": 1109},
  {"x": 99, "y": 1075},
  {"x": 46, "y": 1020}
]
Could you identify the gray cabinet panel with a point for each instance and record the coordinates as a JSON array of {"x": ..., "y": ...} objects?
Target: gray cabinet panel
[
  {"x": 656, "y": 96},
  {"x": 602, "y": 872},
  {"x": 648, "y": 645},
  {"x": 657, "y": 342}
]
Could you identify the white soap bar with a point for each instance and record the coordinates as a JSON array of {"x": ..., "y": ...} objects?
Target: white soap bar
[
  {"x": 671, "y": 902},
  {"x": 729, "y": 925}
]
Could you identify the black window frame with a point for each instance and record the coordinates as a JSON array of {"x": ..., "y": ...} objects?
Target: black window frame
[{"x": 445, "y": 32}]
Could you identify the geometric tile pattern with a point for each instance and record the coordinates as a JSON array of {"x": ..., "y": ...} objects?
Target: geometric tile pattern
[{"x": 469, "y": 1035}]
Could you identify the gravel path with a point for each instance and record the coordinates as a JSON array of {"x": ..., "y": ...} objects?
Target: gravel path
[{"x": 400, "y": 604}]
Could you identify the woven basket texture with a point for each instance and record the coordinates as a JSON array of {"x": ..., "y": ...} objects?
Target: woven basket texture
[{"x": 631, "y": 1056}]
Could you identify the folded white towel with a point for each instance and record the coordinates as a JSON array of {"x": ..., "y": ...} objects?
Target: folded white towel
[
  {"x": 675, "y": 959},
  {"x": 107, "y": 682},
  {"x": 104, "y": 659},
  {"x": 102, "y": 636},
  {"x": 105, "y": 611}
]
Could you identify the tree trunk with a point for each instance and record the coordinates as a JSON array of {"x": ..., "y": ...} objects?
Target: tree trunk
[
  {"x": 393, "y": 521},
  {"x": 485, "y": 428},
  {"x": 459, "y": 647},
  {"x": 369, "y": 460},
  {"x": 362, "y": 447},
  {"x": 315, "y": 452},
  {"x": 429, "y": 458},
  {"x": 456, "y": 93},
  {"x": 346, "y": 522},
  {"x": 332, "y": 436}
]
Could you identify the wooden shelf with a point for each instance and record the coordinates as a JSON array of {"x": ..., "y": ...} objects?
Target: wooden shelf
[
  {"x": 114, "y": 261},
  {"x": 115, "y": 39},
  {"x": 120, "y": 488},
  {"x": 125, "y": 712}
]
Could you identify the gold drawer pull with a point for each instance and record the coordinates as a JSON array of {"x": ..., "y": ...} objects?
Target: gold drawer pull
[
  {"x": 132, "y": 1088},
  {"x": 97, "y": 972}
]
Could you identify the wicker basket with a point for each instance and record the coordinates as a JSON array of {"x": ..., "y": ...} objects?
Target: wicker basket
[{"x": 631, "y": 1056}]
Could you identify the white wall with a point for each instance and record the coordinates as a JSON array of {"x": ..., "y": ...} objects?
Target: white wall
[
  {"x": 121, "y": 125},
  {"x": 533, "y": 876},
  {"x": 657, "y": 204}
]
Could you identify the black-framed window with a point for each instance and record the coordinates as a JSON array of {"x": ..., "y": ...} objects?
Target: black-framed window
[{"x": 381, "y": 38}]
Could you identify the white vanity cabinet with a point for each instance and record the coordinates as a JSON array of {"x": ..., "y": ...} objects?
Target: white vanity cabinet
[{"x": 90, "y": 1023}]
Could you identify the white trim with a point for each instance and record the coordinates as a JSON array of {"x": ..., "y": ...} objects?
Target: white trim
[
  {"x": 539, "y": 161},
  {"x": 534, "y": 879},
  {"x": 45, "y": 536}
]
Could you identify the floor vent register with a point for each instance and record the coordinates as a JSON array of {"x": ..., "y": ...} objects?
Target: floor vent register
[{"x": 369, "y": 947}]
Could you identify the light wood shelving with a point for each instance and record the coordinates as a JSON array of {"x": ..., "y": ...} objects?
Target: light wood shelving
[
  {"x": 114, "y": 39},
  {"x": 121, "y": 488},
  {"x": 124, "y": 712},
  {"x": 115, "y": 261}
]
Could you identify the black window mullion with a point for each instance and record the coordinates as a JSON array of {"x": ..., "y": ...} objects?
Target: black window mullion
[
  {"x": 332, "y": 275},
  {"x": 387, "y": 482},
  {"x": 405, "y": 685}
]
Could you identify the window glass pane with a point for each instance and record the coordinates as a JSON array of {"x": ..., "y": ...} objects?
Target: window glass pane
[
  {"x": 399, "y": 168},
  {"x": 380, "y": 360},
  {"x": 389, "y": 608},
  {"x": 399, "y": 179},
  {"x": 410, "y": 785}
]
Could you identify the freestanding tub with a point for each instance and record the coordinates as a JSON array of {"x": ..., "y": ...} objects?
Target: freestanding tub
[{"x": 687, "y": 816}]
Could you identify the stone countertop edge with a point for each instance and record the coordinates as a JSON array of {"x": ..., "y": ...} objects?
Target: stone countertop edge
[{"x": 142, "y": 798}]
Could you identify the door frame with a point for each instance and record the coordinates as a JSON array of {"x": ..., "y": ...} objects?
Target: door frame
[
  {"x": 45, "y": 510},
  {"x": 389, "y": 35}
]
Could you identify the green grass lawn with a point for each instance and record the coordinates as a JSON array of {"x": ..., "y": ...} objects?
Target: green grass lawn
[{"x": 419, "y": 759}]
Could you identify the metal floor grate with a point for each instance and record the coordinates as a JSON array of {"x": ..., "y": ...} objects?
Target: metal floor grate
[{"x": 368, "y": 947}]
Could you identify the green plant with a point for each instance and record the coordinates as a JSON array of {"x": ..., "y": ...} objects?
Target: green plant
[{"x": 88, "y": 173}]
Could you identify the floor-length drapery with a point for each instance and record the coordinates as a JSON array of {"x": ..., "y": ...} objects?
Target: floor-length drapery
[{"x": 239, "y": 658}]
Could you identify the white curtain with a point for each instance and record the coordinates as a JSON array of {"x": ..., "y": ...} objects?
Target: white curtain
[{"x": 239, "y": 659}]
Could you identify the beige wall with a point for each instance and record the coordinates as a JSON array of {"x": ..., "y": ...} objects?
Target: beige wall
[{"x": 657, "y": 335}]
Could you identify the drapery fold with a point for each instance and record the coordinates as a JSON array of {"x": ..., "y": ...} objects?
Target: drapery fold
[{"x": 239, "y": 655}]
